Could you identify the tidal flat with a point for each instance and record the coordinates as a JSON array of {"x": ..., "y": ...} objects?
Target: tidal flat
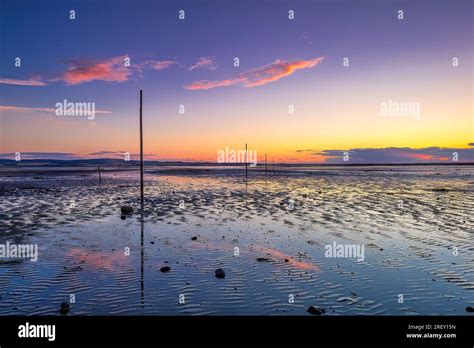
[{"x": 267, "y": 233}]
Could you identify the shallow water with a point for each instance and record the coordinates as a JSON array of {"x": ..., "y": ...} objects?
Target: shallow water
[{"x": 409, "y": 220}]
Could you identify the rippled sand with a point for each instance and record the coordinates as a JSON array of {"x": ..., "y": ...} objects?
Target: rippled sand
[{"x": 408, "y": 218}]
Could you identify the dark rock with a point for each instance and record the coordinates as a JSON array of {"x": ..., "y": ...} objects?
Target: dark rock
[
  {"x": 315, "y": 310},
  {"x": 469, "y": 309},
  {"x": 286, "y": 260},
  {"x": 126, "y": 209},
  {"x": 165, "y": 269},
  {"x": 152, "y": 242},
  {"x": 65, "y": 308},
  {"x": 220, "y": 273},
  {"x": 194, "y": 238},
  {"x": 123, "y": 217}
]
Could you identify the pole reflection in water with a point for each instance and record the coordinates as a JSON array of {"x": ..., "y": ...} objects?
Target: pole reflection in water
[{"x": 142, "y": 230}]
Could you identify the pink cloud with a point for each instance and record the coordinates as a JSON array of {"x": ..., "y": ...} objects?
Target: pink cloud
[
  {"x": 162, "y": 65},
  {"x": 85, "y": 70},
  {"x": 212, "y": 84},
  {"x": 112, "y": 69},
  {"x": 204, "y": 63},
  {"x": 29, "y": 82},
  {"x": 157, "y": 65},
  {"x": 422, "y": 156},
  {"x": 278, "y": 70},
  {"x": 260, "y": 76}
]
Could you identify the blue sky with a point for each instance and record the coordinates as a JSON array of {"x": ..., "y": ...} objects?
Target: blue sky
[{"x": 389, "y": 59}]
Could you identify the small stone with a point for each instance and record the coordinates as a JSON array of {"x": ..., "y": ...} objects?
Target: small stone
[
  {"x": 315, "y": 310},
  {"x": 126, "y": 209},
  {"x": 165, "y": 269},
  {"x": 469, "y": 309},
  {"x": 194, "y": 238},
  {"x": 286, "y": 260},
  {"x": 220, "y": 273},
  {"x": 65, "y": 308},
  {"x": 123, "y": 217}
]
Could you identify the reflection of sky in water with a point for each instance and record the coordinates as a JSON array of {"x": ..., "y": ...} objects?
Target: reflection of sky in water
[
  {"x": 96, "y": 260},
  {"x": 407, "y": 248}
]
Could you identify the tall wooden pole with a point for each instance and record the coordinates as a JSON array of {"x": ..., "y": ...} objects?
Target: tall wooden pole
[
  {"x": 141, "y": 148},
  {"x": 142, "y": 235},
  {"x": 265, "y": 164},
  {"x": 246, "y": 161}
]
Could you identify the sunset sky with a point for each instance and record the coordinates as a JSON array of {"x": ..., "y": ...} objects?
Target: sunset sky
[{"x": 283, "y": 62}]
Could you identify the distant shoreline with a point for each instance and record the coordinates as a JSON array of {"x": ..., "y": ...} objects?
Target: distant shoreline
[
  {"x": 135, "y": 163},
  {"x": 86, "y": 167}
]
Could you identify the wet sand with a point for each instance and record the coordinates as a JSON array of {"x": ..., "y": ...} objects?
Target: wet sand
[{"x": 408, "y": 218}]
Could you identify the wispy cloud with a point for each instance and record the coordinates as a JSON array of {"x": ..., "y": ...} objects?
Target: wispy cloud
[
  {"x": 41, "y": 155},
  {"x": 313, "y": 151},
  {"x": 113, "y": 69},
  {"x": 100, "y": 153},
  {"x": 118, "y": 155},
  {"x": 392, "y": 155},
  {"x": 81, "y": 71},
  {"x": 30, "y": 82},
  {"x": 278, "y": 70},
  {"x": 28, "y": 155},
  {"x": 261, "y": 76},
  {"x": 151, "y": 64},
  {"x": 161, "y": 64},
  {"x": 204, "y": 63},
  {"x": 212, "y": 84},
  {"x": 46, "y": 110}
]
